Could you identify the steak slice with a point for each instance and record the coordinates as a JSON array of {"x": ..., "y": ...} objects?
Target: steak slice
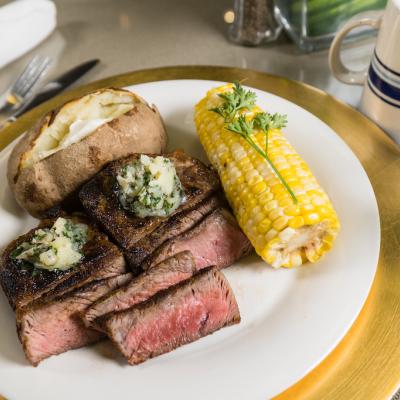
[
  {"x": 100, "y": 200},
  {"x": 162, "y": 276},
  {"x": 215, "y": 241},
  {"x": 172, "y": 227},
  {"x": 52, "y": 326},
  {"x": 102, "y": 259},
  {"x": 175, "y": 317}
]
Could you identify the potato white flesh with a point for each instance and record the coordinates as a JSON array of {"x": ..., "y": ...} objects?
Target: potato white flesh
[{"x": 77, "y": 120}]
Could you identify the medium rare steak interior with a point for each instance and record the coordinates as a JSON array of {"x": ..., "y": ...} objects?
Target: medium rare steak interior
[
  {"x": 162, "y": 276},
  {"x": 215, "y": 241},
  {"x": 181, "y": 315},
  {"x": 100, "y": 200},
  {"x": 53, "y": 326},
  {"x": 172, "y": 227},
  {"x": 102, "y": 259}
]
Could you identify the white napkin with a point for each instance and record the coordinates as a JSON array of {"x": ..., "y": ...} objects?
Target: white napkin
[{"x": 23, "y": 25}]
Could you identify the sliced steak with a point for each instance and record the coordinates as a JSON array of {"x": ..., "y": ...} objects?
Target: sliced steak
[
  {"x": 216, "y": 241},
  {"x": 50, "y": 327},
  {"x": 102, "y": 259},
  {"x": 171, "y": 228},
  {"x": 100, "y": 200},
  {"x": 175, "y": 317},
  {"x": 162, "y": 276}
]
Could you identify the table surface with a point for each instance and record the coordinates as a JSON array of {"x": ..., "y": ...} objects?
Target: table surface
[{"x": 128, "y": 35}]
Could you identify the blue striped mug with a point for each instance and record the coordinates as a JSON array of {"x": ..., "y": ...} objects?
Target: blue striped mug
[{"x": 381, "y": 95}]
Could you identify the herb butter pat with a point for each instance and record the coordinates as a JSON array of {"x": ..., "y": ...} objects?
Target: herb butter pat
[
  {"x": 55, "y": 248},
  {"x": 150, "y": 187}
]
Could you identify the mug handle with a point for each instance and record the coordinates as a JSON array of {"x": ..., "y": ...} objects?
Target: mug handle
[{"x": 336, "y": 65}]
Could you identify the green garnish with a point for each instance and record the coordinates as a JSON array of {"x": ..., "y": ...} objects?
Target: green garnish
[
  {"x": 238, "y": 100},
  {"x": 234, "y": 102},
  {"x": 265, "y": 121}
]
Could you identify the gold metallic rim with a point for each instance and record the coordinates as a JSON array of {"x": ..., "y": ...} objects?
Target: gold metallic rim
[{"x": 366, "y": 364}]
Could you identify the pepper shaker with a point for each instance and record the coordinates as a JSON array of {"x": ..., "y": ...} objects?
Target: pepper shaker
[{"x": 254, "y": 22}]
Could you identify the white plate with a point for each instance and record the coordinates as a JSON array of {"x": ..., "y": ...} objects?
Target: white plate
[{"x": 291, "y": 319}]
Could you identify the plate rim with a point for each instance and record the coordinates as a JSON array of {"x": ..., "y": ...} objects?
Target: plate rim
[{"x": 343, "y": 370}]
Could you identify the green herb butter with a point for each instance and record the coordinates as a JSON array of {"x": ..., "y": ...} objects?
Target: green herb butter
[
  {"x": 55, "y": 248},
  {"x": 150, "y": 187}
]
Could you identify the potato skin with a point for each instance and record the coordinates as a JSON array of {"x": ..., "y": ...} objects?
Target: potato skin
[{"x": 48, "y": 182}]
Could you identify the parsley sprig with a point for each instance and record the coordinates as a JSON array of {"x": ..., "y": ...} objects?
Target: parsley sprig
[
  {"x": 235, "y": 101},
  {"x": 265, "y": 121},
  {"x": 238, "y": 100}
]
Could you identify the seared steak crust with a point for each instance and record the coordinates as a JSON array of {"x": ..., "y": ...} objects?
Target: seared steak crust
[
  {"x": 102, "y": 259},
  {"x": 100, "y": 200},
  {"x": 172, "y": 227},
  {"x": 216, "y": 241},
  {"x": 175, "y": 317},
  {"x": 162, "y": 276},
  {"x": 50, "y": 327}
]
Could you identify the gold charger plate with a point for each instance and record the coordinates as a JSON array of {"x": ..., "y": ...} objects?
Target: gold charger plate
[{"x": 366, "y": 364}]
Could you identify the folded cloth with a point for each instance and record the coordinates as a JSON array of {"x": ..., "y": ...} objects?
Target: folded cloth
[{"x": 23, "y": 25}]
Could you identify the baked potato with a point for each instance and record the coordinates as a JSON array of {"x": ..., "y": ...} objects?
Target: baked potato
[{"x": 71, "y": 144}]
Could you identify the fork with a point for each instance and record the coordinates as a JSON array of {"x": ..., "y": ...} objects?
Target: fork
[{"x": 23, "y": 87}]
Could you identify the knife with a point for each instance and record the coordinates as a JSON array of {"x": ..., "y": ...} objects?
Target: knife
[{"x": 51, "y": 89}]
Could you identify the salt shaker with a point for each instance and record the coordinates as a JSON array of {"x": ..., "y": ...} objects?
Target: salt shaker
[{"x": 254, "y": 22}]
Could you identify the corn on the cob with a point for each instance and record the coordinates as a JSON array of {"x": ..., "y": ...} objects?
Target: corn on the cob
[{"x": 283, "y": 232}]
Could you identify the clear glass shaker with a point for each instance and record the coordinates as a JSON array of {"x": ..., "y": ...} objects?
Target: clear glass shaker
[{"x": 254, "y": 22}]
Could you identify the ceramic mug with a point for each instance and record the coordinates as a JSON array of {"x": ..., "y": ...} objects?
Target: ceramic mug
[{"x": 381, "y": 95}]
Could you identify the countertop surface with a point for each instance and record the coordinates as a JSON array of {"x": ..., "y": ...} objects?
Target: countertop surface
[{"x": 128, "y": 35}]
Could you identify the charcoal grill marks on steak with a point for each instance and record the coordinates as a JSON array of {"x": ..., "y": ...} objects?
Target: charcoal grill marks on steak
[
  {"x": 102, "y": 259},
  {"x": 181, "y": 315},
  {"x": 52, "y": 326},
  {"x": 99, "y": 199},
  {"x": 162, "y": 276},
  {"x": 172, "y": 227},
  {"x": 216, "y": 241}
]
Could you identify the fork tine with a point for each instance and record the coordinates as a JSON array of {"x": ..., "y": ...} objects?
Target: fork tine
[
  {"x": 29, "y": 74},
  {"x": 32, "y": 77},
  {"x": 40, "y": 72},
  {"x": 25, "y": 78},
  {"x": 20, "y": 81}
]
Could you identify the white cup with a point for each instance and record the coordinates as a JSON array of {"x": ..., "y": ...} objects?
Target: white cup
[{"x": 381, "y": 95}]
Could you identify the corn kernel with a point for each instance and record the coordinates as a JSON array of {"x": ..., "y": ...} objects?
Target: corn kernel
[
  {"x": 265, "y": 198},
  {"x": 243, "y": 162},
  {"x": 264, "y": 225},
  {"x": 251, "y": 203},
  {"x": 271, "y": 234},
  {"x": 296, "y": 222},
  {"x": 306, "y": 208},
  {"x": 254, "y": 180},
  {"x": 259, "y": 187},
  {"x": 247, "y": 168},
  {"x": 311, "y": 218},
  {"x": 240, "y": 180},
  {"x": 280, "y": 223},
  {"x": 275, "y": 213},
  {"x": 278, "y": 189},
  {"x": 274, "y": 243},
  {"x": 267, "y": 255},
  {"x": 292, "y": 210},
  {"x": 271, "y": 205},
  {"x": 285, "y": 201}
]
